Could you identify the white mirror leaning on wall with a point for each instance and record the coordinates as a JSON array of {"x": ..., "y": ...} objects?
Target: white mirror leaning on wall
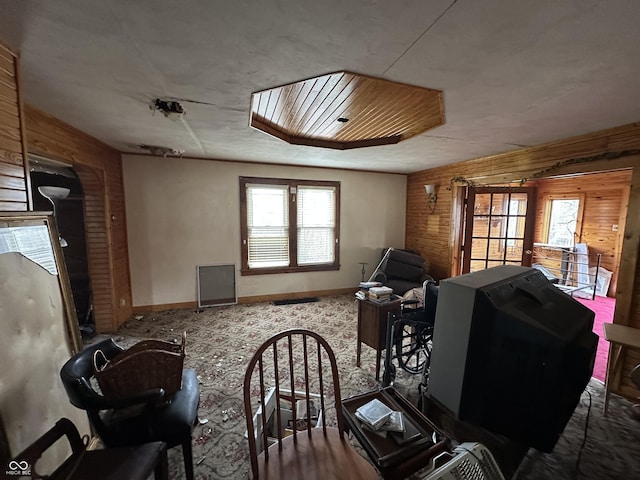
[{"x": 39, "y": 333}]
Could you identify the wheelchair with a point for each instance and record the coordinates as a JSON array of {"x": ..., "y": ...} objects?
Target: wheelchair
[{"x": 410, "y": 336}]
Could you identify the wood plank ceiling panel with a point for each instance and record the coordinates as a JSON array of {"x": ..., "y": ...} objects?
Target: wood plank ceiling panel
[
  {"x": 297, "y": 108},
  {"x": 332, "y": 108},
  {"x": 326, "y": 101},
  {"x": 310, "y": 103},
  {"x": 346, "y": 110},
  {"x": 274, "y": 96}
]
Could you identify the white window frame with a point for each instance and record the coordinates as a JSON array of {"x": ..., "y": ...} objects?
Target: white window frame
[{"x": 548, "y": 203}]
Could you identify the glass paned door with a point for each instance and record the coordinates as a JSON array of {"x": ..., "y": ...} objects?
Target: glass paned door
[{"x": 499, "y": 226}]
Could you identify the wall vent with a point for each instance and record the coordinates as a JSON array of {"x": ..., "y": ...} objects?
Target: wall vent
[{"x": 216, "y": 285}]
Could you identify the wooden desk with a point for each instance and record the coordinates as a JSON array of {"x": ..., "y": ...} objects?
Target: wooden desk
[
  {"x": 619, "y": 337},
  {"x": 372, "y": 326}
]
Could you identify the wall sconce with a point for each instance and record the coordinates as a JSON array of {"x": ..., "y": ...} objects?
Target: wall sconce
[{"x": 432, "y": 198}]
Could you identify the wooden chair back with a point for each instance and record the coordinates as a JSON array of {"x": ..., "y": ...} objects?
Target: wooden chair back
[{"x": 298, "y": 361}]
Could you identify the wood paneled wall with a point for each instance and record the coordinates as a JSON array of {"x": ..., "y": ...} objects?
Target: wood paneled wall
[
  {"x": 13, "y": 181},
  {"x": 99, "y": 168},
  {"x": 605, "y": 205},
  {"x": 434, "y": 234}
]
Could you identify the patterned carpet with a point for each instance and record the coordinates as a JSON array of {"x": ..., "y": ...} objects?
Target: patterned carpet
[{"x": 221, "y": 340}]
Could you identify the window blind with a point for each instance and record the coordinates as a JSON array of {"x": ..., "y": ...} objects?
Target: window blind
[
  {"x": 316, "y": 220},
  {"x": 268, "y": 225}
]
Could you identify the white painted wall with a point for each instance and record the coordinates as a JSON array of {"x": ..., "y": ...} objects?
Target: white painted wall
[{"x": 185, "y": 212}]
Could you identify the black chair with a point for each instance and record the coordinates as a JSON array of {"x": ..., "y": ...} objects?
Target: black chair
[
  {"x": 403, "y": 271},
  {"x": 137, "y": 419},
  {"x": 133, "y": 463}
]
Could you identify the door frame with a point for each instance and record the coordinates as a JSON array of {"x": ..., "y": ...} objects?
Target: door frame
[
  {"x": 529, "y": 226},
  {"x": 629, "y": 250}
]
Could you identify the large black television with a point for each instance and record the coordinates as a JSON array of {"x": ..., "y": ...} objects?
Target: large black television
[{"x": 511, "y": 353}]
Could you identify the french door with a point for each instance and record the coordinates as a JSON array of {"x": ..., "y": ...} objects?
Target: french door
[{"x": 499, "y": 226}]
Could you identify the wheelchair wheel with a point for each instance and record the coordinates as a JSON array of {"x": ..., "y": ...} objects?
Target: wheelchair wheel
[{"x": 413, "y": 346}]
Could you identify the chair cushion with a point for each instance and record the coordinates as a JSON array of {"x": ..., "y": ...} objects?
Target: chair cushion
[
  {"x": 171, "y": 423},
  {"x": 405, "y": 265},
  {"x": 404, "y": 271},
  {"x": 409, "y": 258}
]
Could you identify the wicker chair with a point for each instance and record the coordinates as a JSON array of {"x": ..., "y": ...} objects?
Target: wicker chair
[
  {"x": 309, "y": 449},
  {"x": 139, "y": 418}
]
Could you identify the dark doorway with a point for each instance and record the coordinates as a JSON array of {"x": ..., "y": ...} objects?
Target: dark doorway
[{"x": 69, "y": 213}]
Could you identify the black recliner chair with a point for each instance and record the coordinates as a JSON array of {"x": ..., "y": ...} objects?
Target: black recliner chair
[
  {"x": 137, "y": 419},
  {"x": 403, "y": 271}
]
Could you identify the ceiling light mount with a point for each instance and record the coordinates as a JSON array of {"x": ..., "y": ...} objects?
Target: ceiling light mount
[
  {"x": 171, "y": 109},
  {"x": 161, "y": 151}
]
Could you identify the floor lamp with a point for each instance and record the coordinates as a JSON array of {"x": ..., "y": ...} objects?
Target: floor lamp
[
  {"x": 384, "y": 259},
  {"x": 54, "y": 194}
]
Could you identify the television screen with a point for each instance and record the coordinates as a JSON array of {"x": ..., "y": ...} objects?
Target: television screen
[{"x": 511, "y": 353}]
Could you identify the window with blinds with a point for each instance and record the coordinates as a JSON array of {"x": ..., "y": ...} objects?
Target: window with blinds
[
  {"x": 316, "y": 224},
  {"x": 289, "y": 225},
  {"x": 268, "y": 225}
]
